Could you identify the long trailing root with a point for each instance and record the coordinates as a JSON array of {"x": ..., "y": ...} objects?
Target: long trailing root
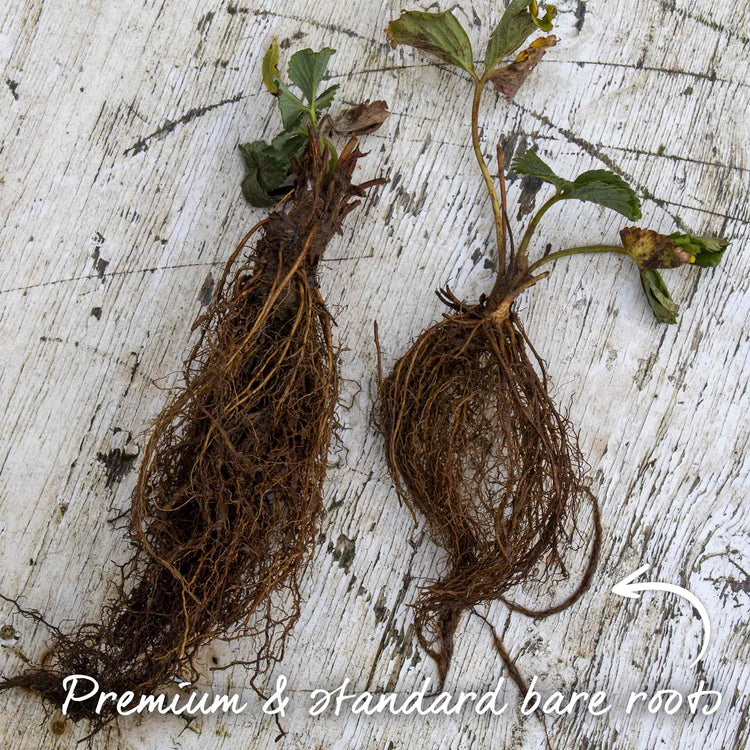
[
  {"x": 476, "y": 445},
  {"x": 224, "y": 515}
]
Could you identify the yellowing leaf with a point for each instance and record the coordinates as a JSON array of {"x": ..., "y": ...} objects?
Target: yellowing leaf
[
  {"x": 544, "y": 23},
  {"x": 269, "y": 69}
]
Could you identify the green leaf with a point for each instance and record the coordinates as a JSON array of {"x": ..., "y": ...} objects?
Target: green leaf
[
  {"x": 518, "y": 22},
  {"x": 607, "y": 189},
  {"x": 291, "y": 144},
  {"x": 514, "y": 28},
  {"x": 323, "y": 100},
  {"x": 267, "y": 170},
  {"x": 530, "y": 163},
  {"x": 292, "y": 108},
  {"x": 440, "y": 34},
  {"x": 657, "y": 294},
  {"x": 707, "y": 252},
  {"x": 306, "y": 70},
  {"x": 254, "y": 194},
  {"x": 269, "y": 69},
  {"x": 595, "y": 186},
  {"x": 264, "y": 158}
]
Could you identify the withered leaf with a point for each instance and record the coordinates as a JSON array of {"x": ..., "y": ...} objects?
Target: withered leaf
[
  {"x": 508, "y": 79},
  {"x": 650, "y": 250},
  {"x": 363, "y": 119}
]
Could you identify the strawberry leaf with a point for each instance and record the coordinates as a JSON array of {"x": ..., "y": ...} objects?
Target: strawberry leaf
[
  {"x": 518, "y": 23},
  {"x": 509, "y": 78},
  {"x": 269, "y": 68},
  {"x": 293, "y": 109},
  {"x": 306, "y": 71},
  {"x": 323, "y": 100},
  {"x": 595, "y": 186},
  {"x": 606, "y": 189},
  {"x": 291, "y": 144},
  {"x": 530, "y": 163},
  {"x": 267, "y": 170},
  {"x": 707, "y": 252},
  {"x": 365, "y": 118},
  {"x": 440, "y": 34},
  {"x": 657, "y": 294}
]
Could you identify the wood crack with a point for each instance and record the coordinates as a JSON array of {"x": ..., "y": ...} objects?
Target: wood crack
[{"x": 170, "y": 125}]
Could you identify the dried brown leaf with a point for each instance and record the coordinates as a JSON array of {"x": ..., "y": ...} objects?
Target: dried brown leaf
[
  {"x": 363, "y": 119},
  {"x": 509, "y": 79}
]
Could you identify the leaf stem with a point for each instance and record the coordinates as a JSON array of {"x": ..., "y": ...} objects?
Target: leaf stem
[
  {"x": 479, "y": 84},
  {"x": 619, "y": 249},
  {"x": 523, "y": 248},
  {"x": 503, "y": 198}
]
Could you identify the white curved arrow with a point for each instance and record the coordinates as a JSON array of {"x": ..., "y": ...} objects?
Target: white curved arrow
[{"x": 627, "y": 587}]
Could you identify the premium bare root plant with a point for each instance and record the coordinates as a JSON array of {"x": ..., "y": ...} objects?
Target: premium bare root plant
[
  {"x": 473, "y": 440},
  {"x": 224, "y": 516}
]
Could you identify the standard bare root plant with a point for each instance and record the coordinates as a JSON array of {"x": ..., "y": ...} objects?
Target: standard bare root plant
[
  {"x": 225, "y": 513},
  {"x": 473, "y": 439},
  {"x": 477, "y": 446}
]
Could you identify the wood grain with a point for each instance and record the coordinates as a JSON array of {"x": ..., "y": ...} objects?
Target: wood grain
[{"x": 119, "y": 203}]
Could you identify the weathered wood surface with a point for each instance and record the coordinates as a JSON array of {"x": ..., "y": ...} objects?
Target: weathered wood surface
[{"x": 119, "y": 202}]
